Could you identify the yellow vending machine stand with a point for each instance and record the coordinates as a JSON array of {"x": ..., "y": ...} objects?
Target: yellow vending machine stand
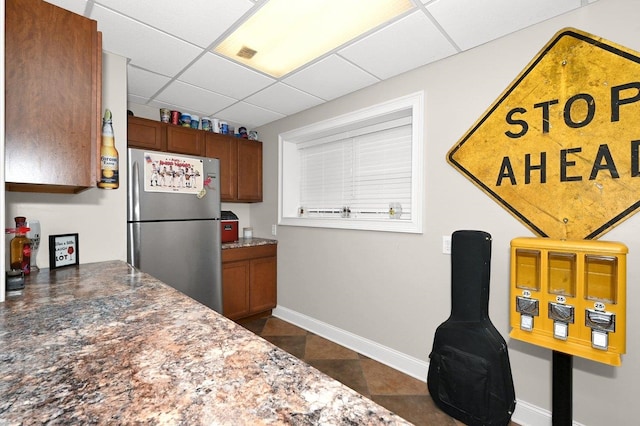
[{"x": 570, "y": 296}]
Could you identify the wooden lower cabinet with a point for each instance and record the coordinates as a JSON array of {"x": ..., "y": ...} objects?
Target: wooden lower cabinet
[{"x": 249, "y": 277}]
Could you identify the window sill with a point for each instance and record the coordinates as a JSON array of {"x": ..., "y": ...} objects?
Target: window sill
[{"x": 387, "y": 225}]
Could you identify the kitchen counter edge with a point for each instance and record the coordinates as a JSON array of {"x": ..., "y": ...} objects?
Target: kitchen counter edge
[{"x": 248, "y": 242}]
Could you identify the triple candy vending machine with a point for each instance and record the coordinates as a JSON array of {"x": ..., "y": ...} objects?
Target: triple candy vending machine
[{"x": 570, "y": 296}]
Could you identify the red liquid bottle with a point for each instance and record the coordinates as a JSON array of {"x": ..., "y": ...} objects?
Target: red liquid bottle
[{"x": 21, "y": 247}]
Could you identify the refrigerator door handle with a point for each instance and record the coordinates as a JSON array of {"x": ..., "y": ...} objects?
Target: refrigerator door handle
[
  {"x": 133, "y": 249},
  {"x": 133, "y": 254},
  {"x": 134, "y": 192}
]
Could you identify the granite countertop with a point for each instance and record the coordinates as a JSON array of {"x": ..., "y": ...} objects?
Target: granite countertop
[
  {"x": 105, "y": 343},
  {"x": 248, "y": 242}
]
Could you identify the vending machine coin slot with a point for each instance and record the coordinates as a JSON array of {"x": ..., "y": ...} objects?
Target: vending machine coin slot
[
  {"x": 528, "y": 309},
  {"x": 562, "y": 315},
  {"x": 601, "y": 323}
]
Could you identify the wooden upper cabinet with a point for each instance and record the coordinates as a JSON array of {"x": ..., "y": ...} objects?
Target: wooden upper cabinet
[
  {"x": 249, "y": 170},
  {"x": 185, "y": 140},
  {"x": 226, "y": 150},
  {"x": 53, "y": 76},
  {"x": 240, "y": 167},
  {"x": 158, "y": 136},
  {"x": 146, "y": 134}
]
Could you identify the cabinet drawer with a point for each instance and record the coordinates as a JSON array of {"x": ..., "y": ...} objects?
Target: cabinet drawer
[{"x": 243, "y": 253}]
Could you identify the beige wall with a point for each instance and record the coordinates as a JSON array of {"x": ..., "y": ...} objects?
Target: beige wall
[
  {"x": 97, "y": 215},
  {"x": 394, "y": 289}
]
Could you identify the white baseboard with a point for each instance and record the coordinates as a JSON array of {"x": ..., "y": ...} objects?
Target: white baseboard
[
  {"x": 530, "y": 415},
  {"x": 397, "y": 360},
  {"x": 525, "y": 414}
]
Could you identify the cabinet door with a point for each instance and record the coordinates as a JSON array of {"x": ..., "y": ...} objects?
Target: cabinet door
[
  {"x": 185, "y": 140},
  {"x": 249, "y": 170},
  {"x": 146, "y": 134},
  {"x": 53, "y": 74},
  {"x": 225, "y": 149},
  {"x": 235, "y": 289},
  {"x": 262, "y": 291}
]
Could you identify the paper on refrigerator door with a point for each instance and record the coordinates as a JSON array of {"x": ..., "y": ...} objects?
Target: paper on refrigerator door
[{"x": 172, "y": 173}]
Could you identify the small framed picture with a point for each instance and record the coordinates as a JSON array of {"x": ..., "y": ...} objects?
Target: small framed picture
[{"x": 63, "y": 250}]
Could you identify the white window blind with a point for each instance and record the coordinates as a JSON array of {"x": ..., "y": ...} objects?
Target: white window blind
[
  {"x": 361, "y": 171},
  {"x": 358, "y": 174}
]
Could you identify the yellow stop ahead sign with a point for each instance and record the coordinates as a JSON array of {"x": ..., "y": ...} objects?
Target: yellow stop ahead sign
[{"x": 560, "y": 148}]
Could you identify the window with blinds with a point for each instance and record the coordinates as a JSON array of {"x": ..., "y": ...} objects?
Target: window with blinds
[
  {"x": 360, "y": 176},
  {"x": 359, "y": 171}
]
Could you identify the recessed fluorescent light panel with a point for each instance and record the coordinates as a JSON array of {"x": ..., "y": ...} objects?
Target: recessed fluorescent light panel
[{"x": 286, "y": 34}]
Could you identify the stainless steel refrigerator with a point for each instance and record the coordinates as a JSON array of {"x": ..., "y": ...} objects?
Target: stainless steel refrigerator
[{"x": 173, "y": 222}]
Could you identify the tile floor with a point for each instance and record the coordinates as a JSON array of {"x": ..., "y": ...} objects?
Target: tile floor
[{"x": 402, "y": 394}]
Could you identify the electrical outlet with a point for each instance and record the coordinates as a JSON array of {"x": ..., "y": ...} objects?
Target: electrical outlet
[
  {"x": 274, "y": 229},
  {"x": 446, "y": 244}
]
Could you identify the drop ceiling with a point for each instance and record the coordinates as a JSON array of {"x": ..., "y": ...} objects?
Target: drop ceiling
[{"x": 171, "y": 64}]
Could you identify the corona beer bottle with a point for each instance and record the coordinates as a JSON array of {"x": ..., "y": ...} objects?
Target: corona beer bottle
[{"x": 109, "y": 178}]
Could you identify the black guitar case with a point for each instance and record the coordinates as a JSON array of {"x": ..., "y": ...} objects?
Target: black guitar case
[{"x": 469, "y": 374}]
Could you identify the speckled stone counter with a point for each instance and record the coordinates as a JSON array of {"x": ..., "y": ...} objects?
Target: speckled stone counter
[
  {"x": 104, "y": 343},
  {"x": 248, "y": 242}
]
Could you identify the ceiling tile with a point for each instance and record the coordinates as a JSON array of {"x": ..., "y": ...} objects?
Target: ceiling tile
[
  {"x": 203, "y": 21},
  {"x": 178, "y": 93},
  {"x": 283, "y": 99},
  {"x": 247, "y": 115},
  {"x": 147, "y": 48},
  {"x": 222, "y": 76},
  {"x": 175, "y": 107},
  {"x": 331, "y": 78},
  {"x": 471, "y": 23},
  {"x": 137, "y": 99},
  {"x": 400, "y": 47},
  {"x": 144, "y": 83}
]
